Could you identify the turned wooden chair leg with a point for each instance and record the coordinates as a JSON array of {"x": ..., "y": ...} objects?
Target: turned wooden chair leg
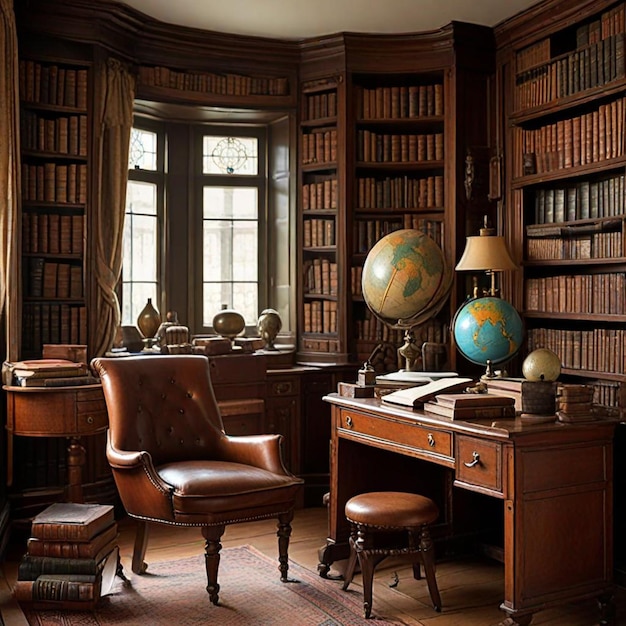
[
  {"x": 367, "y": 561},
  {"x": 428, "y": 558},
  {"x": 139, "y": 566},
  {"x": 284, "y": 533},
  {"x": 212, "y": 534}
]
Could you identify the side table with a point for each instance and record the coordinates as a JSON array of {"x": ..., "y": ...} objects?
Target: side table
[{"x": 71, "y": 412}]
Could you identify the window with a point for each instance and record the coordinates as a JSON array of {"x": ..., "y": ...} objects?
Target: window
[
  {"x": 232, "y": 203},
  {"x": 196, "y": 232},
  {"x": 144, "y": 192}
]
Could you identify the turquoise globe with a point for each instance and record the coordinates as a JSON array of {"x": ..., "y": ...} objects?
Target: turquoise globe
[
  {"x": 405, "y": 278},
  {"x": 488, "y": 329}
]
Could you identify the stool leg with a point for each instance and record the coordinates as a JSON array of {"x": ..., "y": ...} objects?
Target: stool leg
[
  {"x": 368, "y": 561},
  {"x": 428, "y": 558},
  {"x": 349, "y": 575}
]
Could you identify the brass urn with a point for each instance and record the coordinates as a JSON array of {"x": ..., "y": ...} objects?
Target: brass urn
[{"x": 228, "y": 323}]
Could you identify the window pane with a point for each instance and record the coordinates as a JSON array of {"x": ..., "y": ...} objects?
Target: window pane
[
  {"x": 139, "y": 248},
  {"x": 230, "y": 155},
  {"x": 142, "y": 152},
  {"x": 237, "y": 202},
  {"x": 230, "y": 251},
  {"x": 141, "y": 198}
]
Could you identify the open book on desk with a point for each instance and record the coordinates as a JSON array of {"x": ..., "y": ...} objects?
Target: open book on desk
[{"x": 414, "y": 397}]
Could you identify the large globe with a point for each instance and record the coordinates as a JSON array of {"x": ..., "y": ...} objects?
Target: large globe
[
  {"x": 488, "y": 328},
  {"x": 405, "y": 278}
]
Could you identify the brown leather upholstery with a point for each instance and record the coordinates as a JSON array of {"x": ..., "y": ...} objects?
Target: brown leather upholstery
[
  {"x": 173, "y": 463},
  {"x": 395, "y": 512}
]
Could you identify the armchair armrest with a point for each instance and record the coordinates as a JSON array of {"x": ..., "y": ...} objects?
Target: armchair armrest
[
  {"x": 142, "y": 491},
  {"x": 262, "y": 451}
]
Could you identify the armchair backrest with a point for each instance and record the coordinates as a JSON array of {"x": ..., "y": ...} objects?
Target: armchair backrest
[{"x": 164, "y": 405}]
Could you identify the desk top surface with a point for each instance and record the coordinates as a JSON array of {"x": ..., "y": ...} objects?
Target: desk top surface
[{"x": 506, "y": 428}]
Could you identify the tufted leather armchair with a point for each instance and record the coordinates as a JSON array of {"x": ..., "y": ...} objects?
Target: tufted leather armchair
[{"x": 173, "y": 463}]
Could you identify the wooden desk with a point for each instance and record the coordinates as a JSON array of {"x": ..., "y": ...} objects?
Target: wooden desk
[
  {"x": 555, "y": 482},
  {"x": 70, "y": 412}
]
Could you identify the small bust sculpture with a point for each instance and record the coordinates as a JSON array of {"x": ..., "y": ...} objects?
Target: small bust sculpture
[{"x": 269, "y": 326}]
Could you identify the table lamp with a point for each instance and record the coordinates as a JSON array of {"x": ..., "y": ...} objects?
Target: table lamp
[
  {"x": 487, "y": 329},
  {"x": 486, "y": 252}
]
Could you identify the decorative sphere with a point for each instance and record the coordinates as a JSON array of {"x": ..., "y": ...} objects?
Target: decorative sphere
[
  {"x": 487, "y": 328},
  {"x": 541, "y": 364},
  {"x": 405, "y": 279},
  {"x": 269, "y": 325},
  {"x": 228, "y": 323}
]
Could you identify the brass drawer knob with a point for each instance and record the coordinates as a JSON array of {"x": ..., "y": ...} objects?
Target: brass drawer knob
[
  {"x": 349, "y": 421},
  {"x": 89, "y": 419},
  {"x": 431, "y": 440}
]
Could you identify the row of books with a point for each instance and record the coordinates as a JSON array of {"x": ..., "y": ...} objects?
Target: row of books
[
  {"x": 405, "y": 101},
  {"x": 320, "y": 316},
  {"x": 53, "y": 84},
  {"x": 596, "y": 246},
  {"x": 609, "y": 23},
  {"x": 583, "y": 200},
  {"x": 320, "y": 277},
  {"x": 434, "y": 228},
  {"x": 373, "y": 147},
  {"x": 72, "y": 557},
  {"x": 370, "y": 328},
  {"x": 52, "y": 323},
  {"x": 49, "y": 279},
  {"x": 580, "y": 140},
  {"x": 597, "y": 350},
  {"x": 320, "y": 105},
  {"x": 402, "y": 192},
  {"x": 318, "y": 232},
  {"x": 319, "y": 146},
  {"x": 318, "y": 344},
  {"x": 368, "y": 232},
  {"x": 595, "y": 65},
  {"x": 63, "y": 135},
  {"x": 599, "y": 294},
  {"x": 227, "y": 84},
  {"x": 321, "y": 194},
  {"x": 53, "y": 182},
  {"x": 52, "y": 233}
]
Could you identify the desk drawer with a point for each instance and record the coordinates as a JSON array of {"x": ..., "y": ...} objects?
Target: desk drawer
[
  {"x": 479, "y": 464},
  {"x": 419, "y": 438}
]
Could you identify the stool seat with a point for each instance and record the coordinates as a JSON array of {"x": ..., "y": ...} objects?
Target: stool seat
[
  {"x": 404, "y": 515},
  {"x": 393, "y": 510}
]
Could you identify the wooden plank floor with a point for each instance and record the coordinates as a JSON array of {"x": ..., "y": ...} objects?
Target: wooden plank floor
[{"x": 471, "y": 590}]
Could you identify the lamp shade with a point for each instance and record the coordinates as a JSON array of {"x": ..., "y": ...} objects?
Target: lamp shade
[{"x": 486, "y": 252}]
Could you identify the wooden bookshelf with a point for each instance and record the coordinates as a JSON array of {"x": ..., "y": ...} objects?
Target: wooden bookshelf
[
  {"x": 567, "y": 177},
  {"x": 55, "y": 139},
  {"x": 396, "y": 111}
]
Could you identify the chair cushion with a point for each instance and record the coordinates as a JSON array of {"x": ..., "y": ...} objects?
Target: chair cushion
[
  {"x": 220, "y": 491},
  {"x": 391, "y": 509}
]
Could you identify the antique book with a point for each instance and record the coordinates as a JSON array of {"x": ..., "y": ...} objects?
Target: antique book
[
  {"x": 473, "y": 400},
  {"x": 414, "y": 397},
  {"x": 469, "y": 412},
  {"x": 69, "y": 521},
  {"x": 59, "y": 587},
  {"x": 74, "y": 549},
  {"x": 32, "y": 566}
]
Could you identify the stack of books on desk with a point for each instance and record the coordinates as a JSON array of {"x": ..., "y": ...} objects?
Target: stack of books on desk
[
  {"x": 50, "y": 373},
  {"x": 466, "y": 406},
  {"x": 72, "y": 557}
]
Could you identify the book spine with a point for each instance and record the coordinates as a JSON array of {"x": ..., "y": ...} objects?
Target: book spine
[{"x": 31, "y": 567}]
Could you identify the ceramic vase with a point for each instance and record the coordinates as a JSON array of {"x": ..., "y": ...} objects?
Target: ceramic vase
[
  {"x": 228, "y": 323},
  {"x": 149, "y": 320}
]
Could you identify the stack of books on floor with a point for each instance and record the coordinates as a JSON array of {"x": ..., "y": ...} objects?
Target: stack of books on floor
[
  {"x": 72, "y": 557},
  {"x": 467, "y": 406}
]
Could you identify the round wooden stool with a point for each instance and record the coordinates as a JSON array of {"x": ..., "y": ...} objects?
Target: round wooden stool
[{"x": 406, "y": 517}]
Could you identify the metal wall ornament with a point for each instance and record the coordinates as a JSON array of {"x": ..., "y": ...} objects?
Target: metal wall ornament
[{"x": 229, "y": 155}]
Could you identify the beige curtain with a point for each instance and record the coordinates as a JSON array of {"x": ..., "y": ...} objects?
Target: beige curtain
[
  {"x": 113, "y": 115},
  {"x": 9, "y": 181}
]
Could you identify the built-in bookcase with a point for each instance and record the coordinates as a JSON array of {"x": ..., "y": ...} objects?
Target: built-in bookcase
[
  {"x": 55, "y": 160},
  {"x": 568, "y": 159}
]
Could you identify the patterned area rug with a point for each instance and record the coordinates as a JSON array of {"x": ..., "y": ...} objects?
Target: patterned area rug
[{"x": 173, "y": 593}]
